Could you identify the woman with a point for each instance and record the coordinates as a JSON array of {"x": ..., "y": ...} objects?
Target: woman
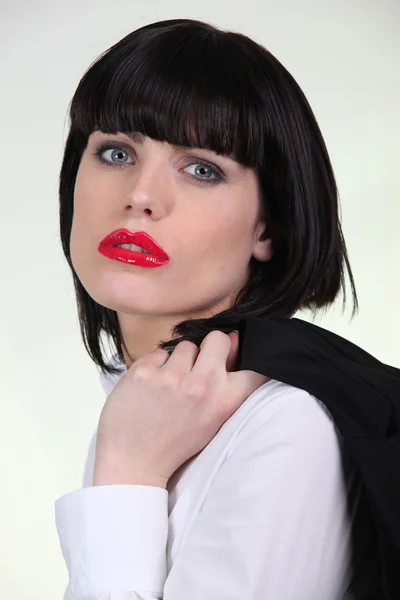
[{"x": 207, "y": 482}]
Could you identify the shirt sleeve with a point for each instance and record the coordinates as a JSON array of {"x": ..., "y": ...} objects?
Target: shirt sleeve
[
  {"x": 274, "y": 524},
  {"x": 113, "y": 539}
]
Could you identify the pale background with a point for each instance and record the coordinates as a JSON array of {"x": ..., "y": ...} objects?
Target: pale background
[{"x": 345, "y": 56}]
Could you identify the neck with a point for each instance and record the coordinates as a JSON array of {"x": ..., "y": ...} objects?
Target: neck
[{"x": 143, "y": 334}]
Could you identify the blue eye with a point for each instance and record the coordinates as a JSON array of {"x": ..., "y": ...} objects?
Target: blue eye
[
  {"x": 115, "y": 154},
  {"x": 212, "y": 176},
  {"x": 119, "y": 157}
]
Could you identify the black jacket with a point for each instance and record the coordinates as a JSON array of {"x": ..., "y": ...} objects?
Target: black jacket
[{"x": 363, "y": 397}]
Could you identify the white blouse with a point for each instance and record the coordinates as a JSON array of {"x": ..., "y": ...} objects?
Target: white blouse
[{"x": 261, "y": 513}]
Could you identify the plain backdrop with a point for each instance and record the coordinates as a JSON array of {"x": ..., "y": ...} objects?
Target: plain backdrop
[{"x": 344, "y": 55}]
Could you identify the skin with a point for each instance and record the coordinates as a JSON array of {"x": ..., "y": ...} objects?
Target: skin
[
  {"x": 210, "y": 231},
  {"x": 166, "y": 409}
]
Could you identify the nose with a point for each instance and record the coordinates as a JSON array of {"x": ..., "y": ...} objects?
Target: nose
[{"x": 148, "y": 190}]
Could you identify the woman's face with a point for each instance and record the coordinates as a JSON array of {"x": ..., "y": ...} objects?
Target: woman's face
[{"x": 199, "y": 206}]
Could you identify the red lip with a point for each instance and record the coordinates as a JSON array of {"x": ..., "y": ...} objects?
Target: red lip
[{"x": 156, "y": 257}]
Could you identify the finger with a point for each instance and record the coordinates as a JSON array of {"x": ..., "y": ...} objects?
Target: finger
[
  {"x": 183, "y": 358},
  {"x": 214, "y": 352},
  {"x": 157, "y": 358}
]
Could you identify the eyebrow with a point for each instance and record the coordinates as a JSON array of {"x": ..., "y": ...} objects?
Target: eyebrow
[{"x": 138, "y": 138}]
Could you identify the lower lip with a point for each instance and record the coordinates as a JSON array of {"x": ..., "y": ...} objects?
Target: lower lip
[{"x": 140, "y": 259}]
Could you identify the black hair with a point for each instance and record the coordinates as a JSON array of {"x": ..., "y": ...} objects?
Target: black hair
[{"x": 189, "y": 83}]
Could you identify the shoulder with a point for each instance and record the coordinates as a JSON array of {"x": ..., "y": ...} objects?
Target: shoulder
[{"x": 278, "y": 412}]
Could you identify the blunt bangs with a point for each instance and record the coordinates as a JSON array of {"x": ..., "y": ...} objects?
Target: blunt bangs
[{"x": 192, "y": 90}]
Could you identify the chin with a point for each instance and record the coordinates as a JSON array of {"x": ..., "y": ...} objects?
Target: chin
[
  {"x": 129, "y": 303},
  {"x": 118, "y": 302}
]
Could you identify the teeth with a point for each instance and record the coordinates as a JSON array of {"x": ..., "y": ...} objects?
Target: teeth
[{"x": 132, "y": 247}]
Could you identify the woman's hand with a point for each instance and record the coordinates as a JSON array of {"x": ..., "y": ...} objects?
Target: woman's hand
[{"x": 166, "y": 409}]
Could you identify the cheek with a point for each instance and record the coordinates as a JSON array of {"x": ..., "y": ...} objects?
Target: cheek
[
  {"x": 83, "y": 221},
  {"x": 227, "y": 232},
  {"x": 89, "y": 195},
  {"x": 82, "y": 194},
  {"x": 79, "y": 222},
  {"x": 77, "y": 238}
]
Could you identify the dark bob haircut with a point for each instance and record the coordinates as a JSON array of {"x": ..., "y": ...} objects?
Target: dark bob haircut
[{"x": 189, "y": 83}]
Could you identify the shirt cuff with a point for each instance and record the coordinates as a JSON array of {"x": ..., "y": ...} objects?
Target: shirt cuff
[{"x": 114, "y": 537}]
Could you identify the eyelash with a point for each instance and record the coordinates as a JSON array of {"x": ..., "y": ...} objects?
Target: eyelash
[{"x": 217, "y": 172}]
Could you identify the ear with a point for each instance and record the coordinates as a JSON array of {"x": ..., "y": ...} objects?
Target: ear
[{"x": 262, "y": 248}]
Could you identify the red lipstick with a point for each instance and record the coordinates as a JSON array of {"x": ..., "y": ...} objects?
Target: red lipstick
[{"x": 154, "y": 257}]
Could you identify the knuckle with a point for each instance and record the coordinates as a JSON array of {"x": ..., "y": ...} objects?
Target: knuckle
[
  {"x": 170, "y": 379},
  {"x": 187, "y": 344},
  {"x": 143, "y": 372},
  {"x": 217, "y": 334}
]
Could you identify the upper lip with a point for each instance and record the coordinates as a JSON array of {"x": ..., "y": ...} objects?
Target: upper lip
[{"x": 139, "y": 238}]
